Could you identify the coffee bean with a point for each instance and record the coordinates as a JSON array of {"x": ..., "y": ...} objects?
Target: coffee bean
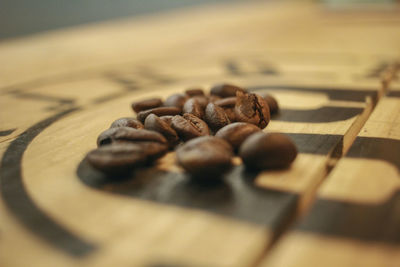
[
  {"x": 127, "y": 122},
  {"x": 161, "y": 111},
  {"x": 146, "y": 104},
  {"x": 272, "y": 103},
  {"x": 167, "y": 119},
  {"x": 192, "y": 106},
  {"x": 228, "y": 104},
  {"x": 189, "y": 126},
  {"x": 202, "y": 100},
  {"x": 225, "y": 90},
  {"x": 194, "y": 92},
  {"x": 213, "y": 98},
  {"x": 123, "y": 157},
  {"x": 215, "y": 116},
  {"x": 175, "y": 100},
  {"x": 264, "y": 151},
  {"x": 252, "y": 108},
  {"x": 206, "y": 157},
  {"x": 236, "y": 133},
  {"x": 127, "y": 134},
  {"x": 154, "y": 123}
]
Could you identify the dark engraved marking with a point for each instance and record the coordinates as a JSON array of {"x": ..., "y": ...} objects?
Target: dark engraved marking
[
  {"x": 373, "y": 223},
  {"x": 237, "y": 196},
  {"x": 47, "y": 98},
  {"x": 108, "y": 97},
  {"x": 19, "y": 203},
  {"x": 377, "y": 71},
  {"x": 393, "y": 94},
  {"x": 267, "y": 70},
  {"x": 366, "y": 222},
  {"x": 232, "y": 68},
  {"x": 376, "y": 148},
  {"x": 157, "y": 78},
  {"x": 128, "y": 84},
  {"x": 332, "y": 93},
  {"x": 7, "y": 132},
  {"x": 385, "y": 149},
  {"x": 319, "y": 144},
  {"x": 323, "y": 114}
]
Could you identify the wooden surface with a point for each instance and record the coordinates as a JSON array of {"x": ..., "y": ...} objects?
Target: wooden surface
[{"x": 334, "y": 75}]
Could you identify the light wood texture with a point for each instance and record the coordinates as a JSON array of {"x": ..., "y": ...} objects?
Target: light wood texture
[{"x": 59, "y": 90}]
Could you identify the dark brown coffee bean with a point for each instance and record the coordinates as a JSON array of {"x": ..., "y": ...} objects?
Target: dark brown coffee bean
[
  {"x": 228, "y": 104},
  {"x": 192, "y": 106},
  {"x": 272, "y": 104},
  {"x": 215, "y": 117},
  {"x": 189, "y": 126},
  {"x": 213, "y": 98},
  {"x": 176, "y": 100},
  {"x": 236, "y": 133},
  {"x": 264, "y": 151},
  {"x": 201, "y": 99},
  {"x": 206, "y": 157},
  {"x": 230, "y": 112},
  {"x": 252, "y": 108},
  {"x": 124, "y": 157},
  {"x": 167, "y": 119},
  {"x": 194, "y": 92},
  {"x": 225, "y": 90},
  {"x": 127, "y": 134},
  {"x": 127, "y": 122},
  {"x": 161, "y": 111},
  {"x": 146, "y": 104},
  {"x": 156, "y": 124}
]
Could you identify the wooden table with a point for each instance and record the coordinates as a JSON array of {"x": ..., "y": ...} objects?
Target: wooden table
[{"x": 334, "y": 75}]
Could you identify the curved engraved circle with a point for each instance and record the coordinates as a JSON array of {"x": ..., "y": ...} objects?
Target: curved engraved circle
[{"x": 22, "y": 206}]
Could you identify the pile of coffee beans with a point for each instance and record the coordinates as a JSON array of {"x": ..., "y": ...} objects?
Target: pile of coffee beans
[{"x": 205, "y": 130}]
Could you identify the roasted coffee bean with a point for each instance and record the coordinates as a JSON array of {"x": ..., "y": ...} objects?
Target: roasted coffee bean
[
  {"x": 272, "y": 103},
  {"x": 127, "y": 134},
  {"x": 264, "y": 151},
  {"x": 194, "y": 92},
  {"x": 201, "y": 99},
  {"x": 225, "y": 90},
  {"x": 123, "y": 157},
  {"x": 252, "y": 108},
  {"x": 192, "y": 106},
  {"x": 213, "y": 98},
  {"x": 176, "y": 100},
  {"x": 206, "y": 157},
  {"x": 236, "y": 133},
  {"x": 154, "y": 123},
  {"x": 167, "y": 119},
  {"x": 127, "y": 122},
  {"x": 161, "y": 111},
  {"x": 189, "y": 126},
  {"x": 230, "y": 112},
  {"x": 215, "y": 117},
  {"x": 146, "y": 104},
  {"x": 228, "y": 104}
]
